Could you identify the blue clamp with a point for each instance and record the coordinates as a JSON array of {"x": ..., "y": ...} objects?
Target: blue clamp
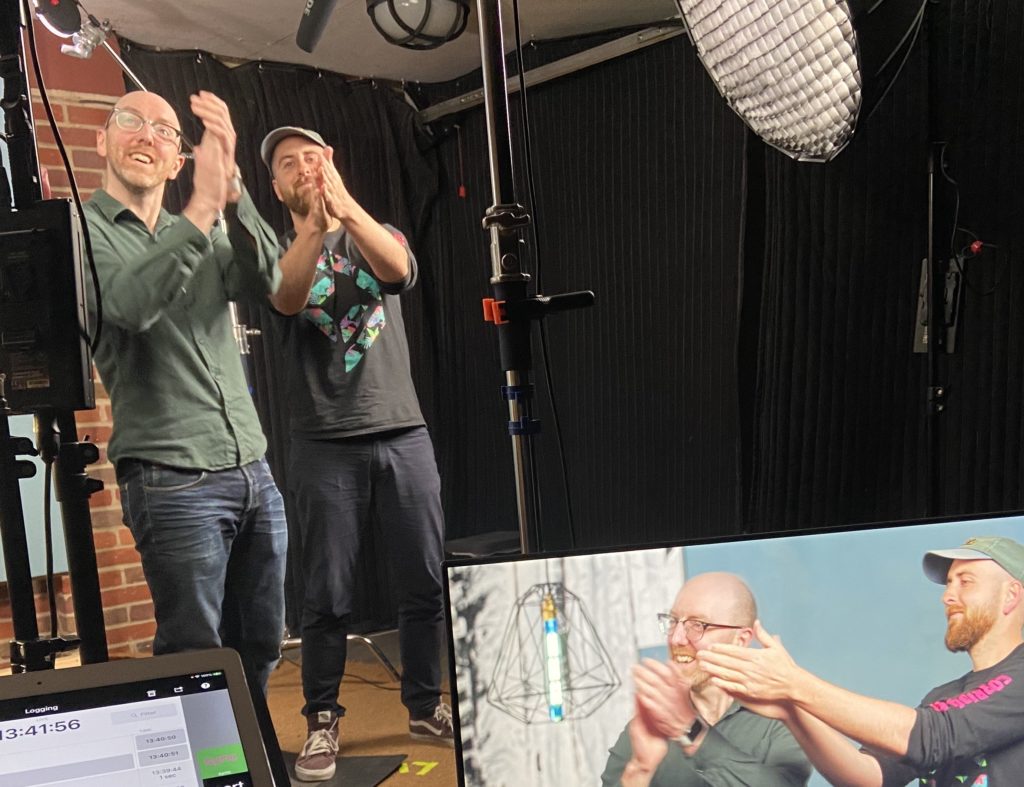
[
  {"x": 518, "y": 393},
  {"x": 524, "y": 426}
]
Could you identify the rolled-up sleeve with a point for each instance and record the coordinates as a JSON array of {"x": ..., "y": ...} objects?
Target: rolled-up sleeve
[
  {"x": 250, "y": 250},
  {"x": 985, "y": 719}
]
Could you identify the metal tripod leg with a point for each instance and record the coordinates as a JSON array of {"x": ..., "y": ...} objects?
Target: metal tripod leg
[{"x": 295, "y": 642}]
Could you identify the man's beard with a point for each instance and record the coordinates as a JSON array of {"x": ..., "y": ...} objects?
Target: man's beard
[
  {"x": 298, "y": 201},
  {"x": 697, "y": 678},
  {"x": 964, "y": 634},
  {"x": 136, "y": 183}
]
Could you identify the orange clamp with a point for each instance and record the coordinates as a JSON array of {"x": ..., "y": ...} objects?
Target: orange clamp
[{"x": 494, "y": 311}]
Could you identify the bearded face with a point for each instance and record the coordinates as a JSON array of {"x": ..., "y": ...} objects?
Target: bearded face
[
  {"x": 138, "y": 169},
  {"x": 967, "y": 625},
  {"x": 140, "y": 160},
  {"x": 685, "y": 665},
  {"x": 299, "y": 199},
  {"x": 297, "y": 172}
]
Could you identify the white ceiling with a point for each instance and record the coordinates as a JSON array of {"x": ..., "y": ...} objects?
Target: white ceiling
[{"x": 265, "y": 30}]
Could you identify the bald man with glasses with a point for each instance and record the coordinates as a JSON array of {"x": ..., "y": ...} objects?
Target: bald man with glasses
[
  {"x": 687, "y": 732},
  {"x": 187, "y": 446}
]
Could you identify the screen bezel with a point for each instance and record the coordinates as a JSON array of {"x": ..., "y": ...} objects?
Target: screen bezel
[
  {"x": 681, "y": 543},
  {"x": 125, "y": 671}
]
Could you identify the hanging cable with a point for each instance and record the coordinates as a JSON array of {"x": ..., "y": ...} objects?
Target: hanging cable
[
  {"x": 538, "y": 269},
  {"x": 51, "y": 588},
  {"x": 972, "y": 249},
  {"x": 75, "y": 195}
]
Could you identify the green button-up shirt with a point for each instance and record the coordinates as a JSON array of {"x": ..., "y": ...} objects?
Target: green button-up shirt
[
  {"x": 167, "y": 353},
  {"x": 741, "y": 750}
]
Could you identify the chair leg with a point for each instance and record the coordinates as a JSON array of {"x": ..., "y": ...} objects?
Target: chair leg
[{"x": 376, "y": 651}]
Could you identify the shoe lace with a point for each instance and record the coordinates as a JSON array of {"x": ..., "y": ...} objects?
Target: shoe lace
[
  {"x": 321, "y": 742},
  {"x": 443, "y": 713}
]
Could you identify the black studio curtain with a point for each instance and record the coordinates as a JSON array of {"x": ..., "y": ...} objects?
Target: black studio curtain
[
  {"x": 840, "y": 413},
  {"x": 839, "y": 428},
  {"x": 977, "y": 93},
  {"x": 639, "y": 170}
]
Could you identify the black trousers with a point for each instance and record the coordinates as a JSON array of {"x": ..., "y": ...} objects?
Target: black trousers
[{"x": 342, "y": 488}]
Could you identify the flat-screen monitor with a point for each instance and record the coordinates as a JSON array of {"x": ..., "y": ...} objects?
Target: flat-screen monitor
[{"x": 853, "y": 606}]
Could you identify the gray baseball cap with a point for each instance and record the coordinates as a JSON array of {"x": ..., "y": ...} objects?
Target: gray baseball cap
[
  {"x": 274, "y": 137},
  {"x": 1004, "y": 551}
]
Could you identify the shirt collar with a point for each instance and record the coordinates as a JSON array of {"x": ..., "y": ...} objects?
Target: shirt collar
[{"x": 112, "y": 209}]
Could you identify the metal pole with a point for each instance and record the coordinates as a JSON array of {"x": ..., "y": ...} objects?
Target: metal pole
[
  {"x": 12, "y": 536},
  {"x": 936, "y": 346},
  {"x": 73, "y": 488},
  {"x": 508, "y": 281}
]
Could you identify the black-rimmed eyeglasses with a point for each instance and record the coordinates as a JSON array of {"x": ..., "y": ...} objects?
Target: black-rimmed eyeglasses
[
  {"x": 127, "y": 120},
  {"x": 693, "y": 628}
]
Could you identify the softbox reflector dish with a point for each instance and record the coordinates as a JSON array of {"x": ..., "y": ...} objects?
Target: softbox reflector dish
[{"x": 803, "y": 73}]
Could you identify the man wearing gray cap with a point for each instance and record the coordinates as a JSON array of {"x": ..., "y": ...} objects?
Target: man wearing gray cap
[
  {"x": 969, "y": 731},
  {"x": 360, "y": 454}
]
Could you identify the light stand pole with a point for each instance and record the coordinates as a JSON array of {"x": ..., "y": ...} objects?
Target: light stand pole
[{"x": 511, "y": 309}]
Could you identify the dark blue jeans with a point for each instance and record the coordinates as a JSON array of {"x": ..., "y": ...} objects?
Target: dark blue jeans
[
  {"x": 341, "y": 488},
  {"x": 213, "y": 547}
]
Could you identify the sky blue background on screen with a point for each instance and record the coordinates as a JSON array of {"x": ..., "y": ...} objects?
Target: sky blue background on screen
[
  {"x": 32, "y": 488},
  {"x": 856, "y": 608}
]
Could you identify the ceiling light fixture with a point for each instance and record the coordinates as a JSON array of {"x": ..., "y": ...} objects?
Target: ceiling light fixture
[
  {"x": 61, "y": 17},
  {"x": 803, "y": 73},
  {"x": 64, "y": 18},
  {"x": 419, "y": 24}
]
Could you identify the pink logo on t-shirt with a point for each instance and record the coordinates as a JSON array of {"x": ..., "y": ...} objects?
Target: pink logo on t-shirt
[{"x": 980, "y": 694}]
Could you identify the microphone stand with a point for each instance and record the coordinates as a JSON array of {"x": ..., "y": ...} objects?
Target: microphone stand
[{"x": 512, "y": 309}]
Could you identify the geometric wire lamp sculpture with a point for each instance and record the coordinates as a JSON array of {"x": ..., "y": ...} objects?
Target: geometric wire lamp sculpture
[
  {"x": 802, "y": 73},
  {"x": 553, "y": 666},
  {"x": 419, "y": 24}
]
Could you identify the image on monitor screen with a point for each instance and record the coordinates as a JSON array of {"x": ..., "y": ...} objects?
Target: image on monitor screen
[{"x": 543, "y": 648}]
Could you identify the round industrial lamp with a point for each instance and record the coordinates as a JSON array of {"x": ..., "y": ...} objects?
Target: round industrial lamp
[
  {"x": 802, "y": 73},
  {"x": 63, "y": 18},
  {"x": 419, "y": 24}
]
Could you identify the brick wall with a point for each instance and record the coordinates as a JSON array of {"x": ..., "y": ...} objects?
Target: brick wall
[
  {"x": 78, "y": 115},
  {"x": 81, "y": 94}
]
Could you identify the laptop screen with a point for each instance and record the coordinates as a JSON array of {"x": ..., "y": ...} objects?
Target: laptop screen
[{"x": 164, "y": 729}]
